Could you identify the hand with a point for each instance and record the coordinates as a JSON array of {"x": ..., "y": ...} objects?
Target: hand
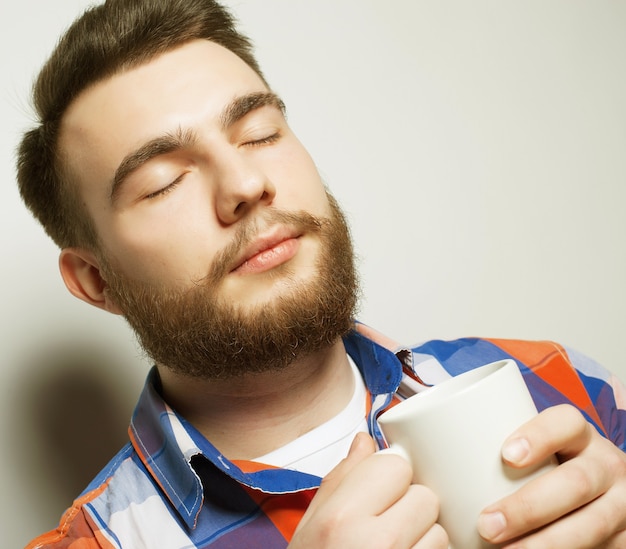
[
  {"x": 368, "y": 501},
  {"x": 579, "y": 504}
]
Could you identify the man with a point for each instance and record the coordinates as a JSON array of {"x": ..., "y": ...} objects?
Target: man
[{"x": 165, "y": 170}]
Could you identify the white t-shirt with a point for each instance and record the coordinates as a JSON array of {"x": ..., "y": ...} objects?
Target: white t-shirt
[{"x": 319, "y": 450}]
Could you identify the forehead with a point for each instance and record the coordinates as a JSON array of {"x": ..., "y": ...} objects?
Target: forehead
[{"x": 185, "y": 87}]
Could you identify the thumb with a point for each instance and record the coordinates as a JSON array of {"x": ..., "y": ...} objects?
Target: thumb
[{"x": 362, "y": 446}]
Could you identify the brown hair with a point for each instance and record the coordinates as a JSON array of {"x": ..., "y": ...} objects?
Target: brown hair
[{"x": 105, "y": 40}]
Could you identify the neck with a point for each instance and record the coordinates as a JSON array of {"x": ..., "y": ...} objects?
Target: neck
[{"x": 250, "y": 416}]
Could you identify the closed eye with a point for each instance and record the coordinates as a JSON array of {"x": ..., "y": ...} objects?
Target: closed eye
[
  {"x": 167, "y": 189},
  {"x": 264, "y": 140}
]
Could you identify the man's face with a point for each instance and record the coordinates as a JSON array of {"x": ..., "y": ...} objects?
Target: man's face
[
  {"x": 169, "y": 214},
  {"x": 199, "y": 191}
]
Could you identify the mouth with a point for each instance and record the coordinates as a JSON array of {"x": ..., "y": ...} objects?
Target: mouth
[{"x": 268, "y": 251}]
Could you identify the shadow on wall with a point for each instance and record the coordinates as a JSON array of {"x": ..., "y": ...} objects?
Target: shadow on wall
[{"x": 74, "y": 411}]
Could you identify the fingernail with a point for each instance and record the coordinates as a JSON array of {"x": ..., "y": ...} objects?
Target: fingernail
[
  {"x": 356, "y": 443},
  {"x": 516, "y": 450},
  {"x": 491, "y": 525}
]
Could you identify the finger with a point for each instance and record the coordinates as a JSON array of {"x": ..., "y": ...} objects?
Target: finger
[
  {"x": 593, "y": 526},
  {"x": 435, "y": 538},
  {"x": 542, "y": 501},
  {"x": 558, "y": 430},
  {"x": 360, "y": 489},
  {"x": 596, "y": 472},
  {"x": 378, "y": 481},
  {"x": 362, "y": 446},
  {"x": 417, "y": 511}
]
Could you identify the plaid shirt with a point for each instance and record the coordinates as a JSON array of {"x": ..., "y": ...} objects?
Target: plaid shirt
[{"x": 169, "y": 487}]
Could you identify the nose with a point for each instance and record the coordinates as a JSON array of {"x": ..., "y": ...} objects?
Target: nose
[{"x": 241, "y": 186}]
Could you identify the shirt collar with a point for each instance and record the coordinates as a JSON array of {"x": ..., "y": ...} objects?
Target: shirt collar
[{"x": 166, "y": 443}]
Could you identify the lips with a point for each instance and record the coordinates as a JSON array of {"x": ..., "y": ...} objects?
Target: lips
[{"x": 268, "y": 251}]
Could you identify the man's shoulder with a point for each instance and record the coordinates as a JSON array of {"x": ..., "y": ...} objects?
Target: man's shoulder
[
  {"x": 464, "y": 348},
  {"x": 123, "y": 484},
  {"x": 526, "y": 352}
]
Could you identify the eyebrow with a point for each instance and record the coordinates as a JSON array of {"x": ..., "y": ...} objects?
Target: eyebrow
[{"x": 237, "y": 109}]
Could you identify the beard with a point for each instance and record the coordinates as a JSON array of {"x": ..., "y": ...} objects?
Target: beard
[{"x": 196, "y": 333}]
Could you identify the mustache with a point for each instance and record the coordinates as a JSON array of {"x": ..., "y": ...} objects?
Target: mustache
[{"x": 301, "y": 220}]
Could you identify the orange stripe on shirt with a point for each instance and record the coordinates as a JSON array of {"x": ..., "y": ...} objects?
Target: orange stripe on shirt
[
  {"x": 76, "y": 529},
  {"x": 284, "y": 510},
  {"x": 549, "y": 361}
]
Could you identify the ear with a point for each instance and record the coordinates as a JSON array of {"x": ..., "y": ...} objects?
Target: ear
[{"x": 81, "y": 273}]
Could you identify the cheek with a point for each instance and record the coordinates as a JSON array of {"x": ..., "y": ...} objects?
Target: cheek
[
  {"x": 301, "y": 186},
  {"x": 170, "y": 248}
]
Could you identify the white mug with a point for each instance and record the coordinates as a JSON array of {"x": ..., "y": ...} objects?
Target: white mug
[{"x": 452, "y": 434}]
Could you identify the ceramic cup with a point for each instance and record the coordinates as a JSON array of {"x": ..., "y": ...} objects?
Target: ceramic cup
[{"x": 453, "y": 434}]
